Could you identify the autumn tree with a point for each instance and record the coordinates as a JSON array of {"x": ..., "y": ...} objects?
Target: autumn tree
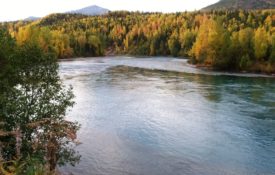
[
  {"x": 261, "y": 43},
  {"x": 61, "y": 45},
  {"x": 223, "y": 39},
  {"x": 211, "y": 46}
]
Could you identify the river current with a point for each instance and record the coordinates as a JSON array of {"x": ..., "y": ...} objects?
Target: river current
[{"x": 161, "y": 116}]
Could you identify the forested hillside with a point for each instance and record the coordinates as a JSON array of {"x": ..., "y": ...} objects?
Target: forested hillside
[
  {"x": 227, "y": 40},
  {"x": 242, "y": 4}
]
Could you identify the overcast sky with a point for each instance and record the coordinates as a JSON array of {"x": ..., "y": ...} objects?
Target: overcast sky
[{"x": 21, "y": 9}]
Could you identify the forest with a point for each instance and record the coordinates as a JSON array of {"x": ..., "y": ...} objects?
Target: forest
[
  {"x": 235, "y": 40},
  {"x": 35, "y": 135}
]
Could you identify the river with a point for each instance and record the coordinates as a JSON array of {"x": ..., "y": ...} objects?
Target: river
[{"x": 161, "y": 116}]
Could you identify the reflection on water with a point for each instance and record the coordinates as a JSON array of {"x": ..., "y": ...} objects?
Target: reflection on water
[{"x": 143, "y": 116}]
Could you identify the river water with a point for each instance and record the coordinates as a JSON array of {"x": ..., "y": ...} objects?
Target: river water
[{"x": 161, "y": 116}]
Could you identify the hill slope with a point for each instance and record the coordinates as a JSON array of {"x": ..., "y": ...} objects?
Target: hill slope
[
  {"x": 91, "y": 11},
  {"x": 242, "y": 4}
]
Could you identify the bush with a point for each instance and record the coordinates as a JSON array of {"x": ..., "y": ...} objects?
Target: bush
[{"x": 245, "y": 62}]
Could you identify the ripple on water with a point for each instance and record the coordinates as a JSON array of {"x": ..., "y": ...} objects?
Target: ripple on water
[{"x": 138, "y": 117}]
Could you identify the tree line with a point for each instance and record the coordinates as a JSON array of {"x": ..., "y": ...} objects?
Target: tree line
[
  {"x": 228, "y": 40},
  {"x": 35, "y": 136}
]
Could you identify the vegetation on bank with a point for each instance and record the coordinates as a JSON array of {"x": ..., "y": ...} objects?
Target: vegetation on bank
[
  {"x": 236, "y": 40},
  {"x": 35, "y": 137},
  {"x": 228, "y": 40}
]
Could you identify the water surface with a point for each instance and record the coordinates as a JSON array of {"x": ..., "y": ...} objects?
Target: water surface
[{"x": 160, "y": 116}]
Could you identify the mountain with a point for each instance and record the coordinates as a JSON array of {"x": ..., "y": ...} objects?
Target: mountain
[
  {"x": 91, "y": 11},
  {"x": 241, "y": 4},
  {"x": 32, "y": 18}
]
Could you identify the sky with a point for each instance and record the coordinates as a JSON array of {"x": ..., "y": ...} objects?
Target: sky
[{"x": 21, "y": 9}]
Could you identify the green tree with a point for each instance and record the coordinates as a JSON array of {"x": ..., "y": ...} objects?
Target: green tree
[
  {"x": 187, "y": 39},
  {"x": 174, "y": 45},
  {"x": 272, "y": 48},
  {"x": 33, "y": 109},
  {"x": 235, "y": 50},
  {"x": 7, "y": 46},
  {"x": 94, "y": 46},
  {"x": 246, "y": 40}
]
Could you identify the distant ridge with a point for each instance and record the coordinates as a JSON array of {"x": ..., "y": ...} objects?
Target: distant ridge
[
  {"x": 91, "y": 11},
  {"x": 241, "y": 4},
  {"x": 32, "y": 18}
]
